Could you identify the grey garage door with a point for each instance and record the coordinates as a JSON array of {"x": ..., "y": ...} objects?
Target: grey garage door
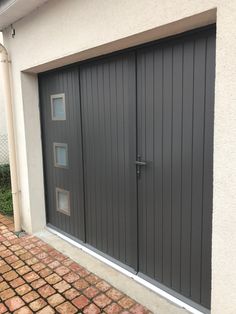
[
  {"x": 62, "y": 142},
  {"x": 175, "y": 101},
  {"x": 128, "y": 147},
  {"x": 108, "y": 99}
]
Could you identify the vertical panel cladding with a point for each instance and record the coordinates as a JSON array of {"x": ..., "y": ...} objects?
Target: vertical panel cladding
[
  {"x": 175, "y": 88},
  {"x": 177, "y": 116},
  {"x": 167, "y": 235},
  {"x": 158, "y": 162},
  {"x": 148, "y": 142},
  {"x": 197, "y": 165},
  {"x": 108, "y": 111},
  {"x": 141, "y": 105},
  {"x": 131, "y": 225},
  {"x": 69, "y": 132},
  {"x": 102, "y": 135},
  {"x": 187, "y": 124},
  {"x": 167, "y": 162}
]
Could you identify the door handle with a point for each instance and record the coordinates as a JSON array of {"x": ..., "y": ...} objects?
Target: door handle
[{"x": 139, "y": 163}]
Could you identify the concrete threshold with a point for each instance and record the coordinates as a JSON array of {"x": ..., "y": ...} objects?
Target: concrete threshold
[{"x": 143, "y": 295}]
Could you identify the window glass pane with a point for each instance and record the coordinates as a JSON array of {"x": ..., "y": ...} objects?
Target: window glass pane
[
  {"x": 63, "y": 201},
  {"x": 61, "y": 155},
  {"x": 58, "y": 107}
]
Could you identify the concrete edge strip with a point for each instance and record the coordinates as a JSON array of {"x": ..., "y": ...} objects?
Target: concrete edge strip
[{"x": 141, "y": 281}]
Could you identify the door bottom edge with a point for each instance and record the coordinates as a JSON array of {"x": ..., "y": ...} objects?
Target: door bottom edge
[
  {"x": 172, "y": 295},
  {"x": 129, "y": 272}
]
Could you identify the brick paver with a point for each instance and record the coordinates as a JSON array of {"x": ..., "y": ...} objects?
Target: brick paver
[{"x": 36, "y": 278}]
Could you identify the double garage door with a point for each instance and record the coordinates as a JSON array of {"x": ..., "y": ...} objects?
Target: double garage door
[{"x": 128, "y": 146}]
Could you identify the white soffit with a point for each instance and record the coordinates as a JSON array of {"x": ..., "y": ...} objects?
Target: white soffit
[{"x": 13, "y": 10}]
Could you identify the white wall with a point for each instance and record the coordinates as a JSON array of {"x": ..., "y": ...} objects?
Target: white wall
[
  {"x": 64, "y": 31},
  {"x": 3, "y": 126}
]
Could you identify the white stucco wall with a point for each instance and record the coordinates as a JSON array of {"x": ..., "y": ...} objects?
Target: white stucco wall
[
  {"x": 64, "y": 31},
  {"x": 3, "y": 127}
]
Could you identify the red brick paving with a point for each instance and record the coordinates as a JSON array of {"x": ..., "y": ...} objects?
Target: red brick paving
[{"x": 36, "y": 278}]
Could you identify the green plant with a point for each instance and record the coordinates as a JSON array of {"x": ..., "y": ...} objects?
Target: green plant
[
  {"x": 5, "y": 178},
  {"x": 5, "y": 190},
  {"x": 6, "y": 201}
]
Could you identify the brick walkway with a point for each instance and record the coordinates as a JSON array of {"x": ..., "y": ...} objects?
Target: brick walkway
[{"x": 35, "y": 278}]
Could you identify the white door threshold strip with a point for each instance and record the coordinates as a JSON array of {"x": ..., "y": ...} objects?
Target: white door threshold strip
[{"x": 127, "y": 273}]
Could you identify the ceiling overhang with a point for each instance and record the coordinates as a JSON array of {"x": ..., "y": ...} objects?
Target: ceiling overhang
[{"x": 13, "y": 10}]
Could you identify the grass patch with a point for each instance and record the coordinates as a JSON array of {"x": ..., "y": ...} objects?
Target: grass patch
[{"x": 5, "y": 191}]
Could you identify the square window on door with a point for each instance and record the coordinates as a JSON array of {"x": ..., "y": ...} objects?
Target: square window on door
[
  {"x": 60, "y": 155},
  {"x": 58, "y": 107},
  {"x": 63, "y": 201}
]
